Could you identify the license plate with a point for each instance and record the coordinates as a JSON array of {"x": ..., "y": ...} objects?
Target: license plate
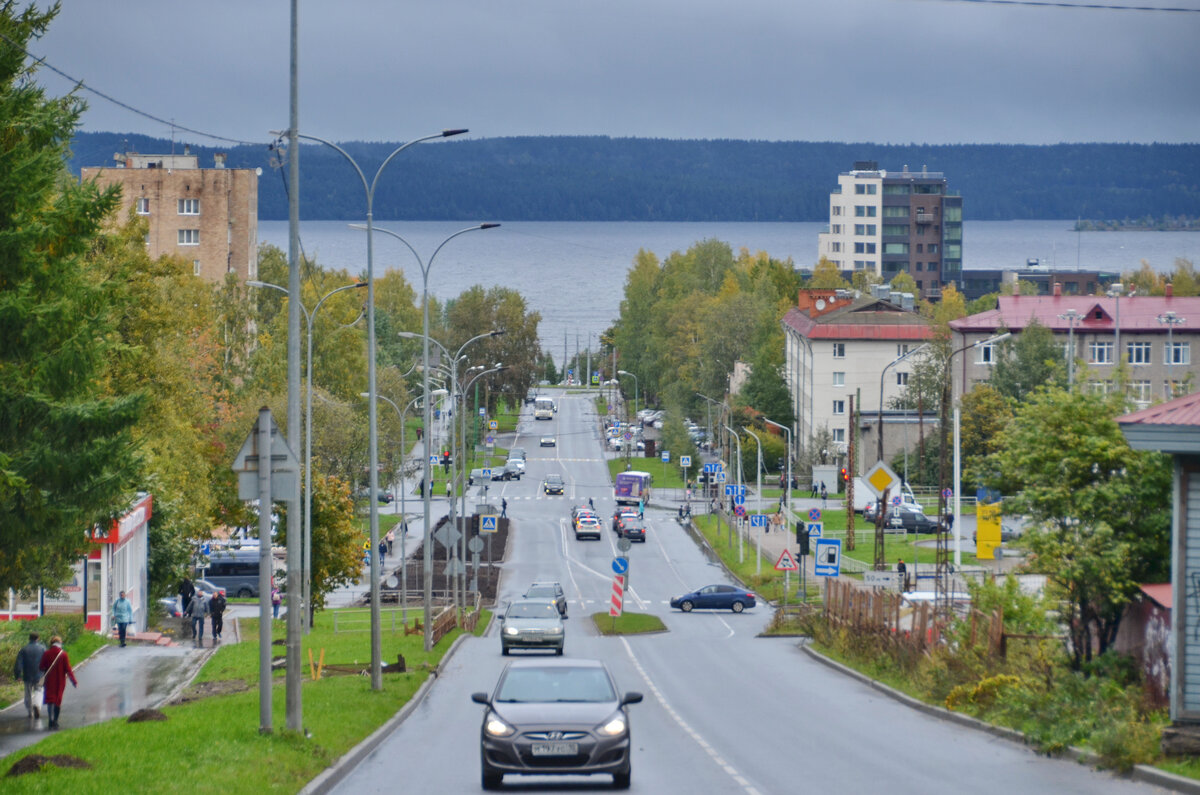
[{"x": 555, "y": 749}]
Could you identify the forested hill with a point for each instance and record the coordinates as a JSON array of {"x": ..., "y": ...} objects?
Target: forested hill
[{"x": 641, "y": 179}]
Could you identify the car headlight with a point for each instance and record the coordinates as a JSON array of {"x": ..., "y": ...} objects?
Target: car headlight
[
  {"x": 554, "y": 631},
  {"x": 494, "y": 727},
  {"x": 511, "y": 631},
  {"x": 613, "y": 727}
]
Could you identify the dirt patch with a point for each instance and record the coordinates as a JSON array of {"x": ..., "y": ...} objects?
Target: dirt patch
[
  {"x": 201, "y": 690},
  {"x": 35, "y": 762},
  {"x": 143, "y": 715}
]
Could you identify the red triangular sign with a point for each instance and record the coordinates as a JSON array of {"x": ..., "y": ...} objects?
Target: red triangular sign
[{"x": 786, "y": 562}]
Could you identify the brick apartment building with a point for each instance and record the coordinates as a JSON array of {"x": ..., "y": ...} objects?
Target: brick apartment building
[{"x": 205, "y": 216}]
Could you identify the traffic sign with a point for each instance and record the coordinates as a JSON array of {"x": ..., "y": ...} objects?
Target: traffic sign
[
  {"x": 482, "y": 411},
  {"x": 624, "y": 544},
  {"x": 814, "y": 514},
  {"x": 815, "y": 529},
  {"x": 490, "y": 440},
  {"x": 486, "y": 473},
  {"x": 685, "y": 461},
  {"x": 712, "y": 466},
  {"x": 759, "y": 520},
  {"x": 205, "y": 549},
  {"x": 720, "y": 476},
  {"x": 493, "y": 425},
  {"x": 620, "y": 565},
  {"x": 433, "y": 459},
  {"x": 739, "y": 510},
  {"x": 739, "y": 499},
  {"x": 829, "y": 557},
  {"x": 488, "y": 523},
  {"x": 666, "y": 456},
  {"x": 475, "y": 544},
  {"x": 786, "y": 562},
  {"x": 880, "y": 478},
  {"x": 895, "y": 499},
  {"x": 618, "y": 596},
  {"x": 628, "y": 435},
  {"x": 947, "y": 493}
]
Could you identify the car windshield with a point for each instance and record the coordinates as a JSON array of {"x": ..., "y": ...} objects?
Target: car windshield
[
  {"x": 555, "y": 685},
  {"x": 543, "y": 591},
  {"x": 532, "y": 610}
]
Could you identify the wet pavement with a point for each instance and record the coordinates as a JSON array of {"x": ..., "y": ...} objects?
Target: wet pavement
[{"x": 113, "y": 682}]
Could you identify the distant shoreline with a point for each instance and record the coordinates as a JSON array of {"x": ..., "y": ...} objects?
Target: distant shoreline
[{"x": 1181, "y": 224}]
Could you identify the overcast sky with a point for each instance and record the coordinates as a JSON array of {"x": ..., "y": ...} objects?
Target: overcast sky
[{"x": 888, "y": 71}]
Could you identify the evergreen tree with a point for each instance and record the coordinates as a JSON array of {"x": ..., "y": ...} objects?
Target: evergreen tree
[{"x": 65, "y": 451}]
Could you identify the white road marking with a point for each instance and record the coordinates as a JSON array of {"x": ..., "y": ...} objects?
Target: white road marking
[{"x": 675, "y": 716}]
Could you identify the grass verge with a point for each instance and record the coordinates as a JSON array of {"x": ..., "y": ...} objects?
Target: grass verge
[
  {"x": 339, "y": 712},
  {"x": 628, "y": 623}
]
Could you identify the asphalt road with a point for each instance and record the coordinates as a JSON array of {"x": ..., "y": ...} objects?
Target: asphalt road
[{"x": 725, "y": 711}]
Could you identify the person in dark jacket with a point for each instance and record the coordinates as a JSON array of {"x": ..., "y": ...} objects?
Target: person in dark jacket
[
  {"x": 216, "y": 609},
  {"x": 197, "y": 609},
  {"x": 186, "y": 592},
  {"x": 25, "y": 669},
  {"x": 57, "y": 666}
]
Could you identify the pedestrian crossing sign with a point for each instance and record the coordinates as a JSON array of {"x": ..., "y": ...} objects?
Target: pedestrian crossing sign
[{"x": 488, "y": 523}]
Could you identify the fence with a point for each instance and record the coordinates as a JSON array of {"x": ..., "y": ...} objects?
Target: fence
[{"x": 446, "y": 617}]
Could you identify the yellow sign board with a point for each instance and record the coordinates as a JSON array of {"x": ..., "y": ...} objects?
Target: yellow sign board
[
  {"x": 881, "y": 478},
  {"x": 987, "y": 530}
]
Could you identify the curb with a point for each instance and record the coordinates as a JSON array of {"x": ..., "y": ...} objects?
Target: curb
[
  {"x": 334, "y": 774},
  {"x": 1142, "y": 773}
]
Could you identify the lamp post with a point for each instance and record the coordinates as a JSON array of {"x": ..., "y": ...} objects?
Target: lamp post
[
  {"x": 711, "y": 403},
  {"x": 788, "y": 487},
  {"x": 635, "y": 388},
  {"x": 373, "y": 437},
  {"x": 1114, "y": 291},
  {"x": 309, "y": 317},
  {"x": 463, "y": 444},
  {"x": 1170, "y": 320},
  {"x": 1071, "y": 316},
  {"x": 426, "y": 546},
  {"x": 758, "y": 492},
  {"x": 741, "y": 548},
  {"x": 897, "y": 360},
  {"x": 403, "y": 509}
]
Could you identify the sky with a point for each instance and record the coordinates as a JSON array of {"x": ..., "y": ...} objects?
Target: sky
[{"x": 884, "y": 71}]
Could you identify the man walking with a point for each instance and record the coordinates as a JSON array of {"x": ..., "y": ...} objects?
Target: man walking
[
  {"x": 503, "y": 508},
  {"x": 216, "y": 609},
  {"x": 122, "y": 616},
  {"x": 25, "y": 669},
  {"x": 196, "y": 611}
]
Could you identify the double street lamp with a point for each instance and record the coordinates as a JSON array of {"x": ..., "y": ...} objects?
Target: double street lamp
[
  {"x": 426, "y": 546},
  {"x": 310, "y": 317}
]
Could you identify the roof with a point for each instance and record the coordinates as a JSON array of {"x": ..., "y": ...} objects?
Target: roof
[
  {"x": 866, "y": 318},
  {"x": 1171, "y": 427},
  {"x": 1160, "y": 593},
  {"x": 1139, "y": 313}
]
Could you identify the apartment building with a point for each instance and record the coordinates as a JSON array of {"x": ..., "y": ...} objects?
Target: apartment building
[
  {"x": 840, "y": 343},
  {"x": 895, "y": 222},
  {"x": 205, "y": 216},
  {"x": 1153, "y": 334}
]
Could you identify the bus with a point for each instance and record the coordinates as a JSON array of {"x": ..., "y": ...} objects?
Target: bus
[
  {"x": 543, "y": 408},
  {"x": 632, "y": 488}
]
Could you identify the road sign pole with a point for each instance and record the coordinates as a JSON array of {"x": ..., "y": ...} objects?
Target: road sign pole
[{"x": 264, "y": 571}]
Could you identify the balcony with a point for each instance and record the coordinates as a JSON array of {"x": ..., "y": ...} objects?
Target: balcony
[{"x": 926, "y": 218}]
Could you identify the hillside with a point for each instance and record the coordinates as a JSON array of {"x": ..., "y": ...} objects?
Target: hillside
[{"x": 639, "y": 179}]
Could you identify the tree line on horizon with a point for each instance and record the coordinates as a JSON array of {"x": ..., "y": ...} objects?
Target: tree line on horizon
[{"x": 597, "y": 178}]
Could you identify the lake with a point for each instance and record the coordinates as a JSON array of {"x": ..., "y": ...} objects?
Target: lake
[{"x": 573, "y": 273}]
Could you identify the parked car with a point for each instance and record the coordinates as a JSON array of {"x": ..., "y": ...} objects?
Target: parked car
[
  {"x": 548, "y": 441},
  {"x": 385, "y": 495},
  {"x": 715, "y": 597},
  {"x": 554, "y": 718},
  {"x": 549, "y": 590},
  {"x": 554, "y": 484},
  {"x": 532, "y": 624},
  {"x": 517, "y": 452},
  {"x": 633, "y": 529},
  {"x": 905, "y": 499},
  {"x": 476, "y": 476},
  {"x": 1007, "y": 533},
  {"x": 913, "y": 520},
  {"x": 519, "y": 463}
]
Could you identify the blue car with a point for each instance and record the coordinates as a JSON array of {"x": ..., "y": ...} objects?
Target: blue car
[{"x": 715, "y": 597}]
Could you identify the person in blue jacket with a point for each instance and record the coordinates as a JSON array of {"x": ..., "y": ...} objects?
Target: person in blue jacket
[{"x": 122, "y": 615}]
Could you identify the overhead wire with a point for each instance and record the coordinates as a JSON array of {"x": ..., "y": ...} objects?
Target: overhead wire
[{"x": 1080, "y": 6}]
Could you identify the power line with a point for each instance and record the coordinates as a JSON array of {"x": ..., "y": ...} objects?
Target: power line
[
  {"x": 81, "y": 84},
  {"x": 1082, "y": 6}
]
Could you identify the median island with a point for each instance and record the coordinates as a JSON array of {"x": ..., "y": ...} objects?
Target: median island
[{"x": 628, "y": 624}]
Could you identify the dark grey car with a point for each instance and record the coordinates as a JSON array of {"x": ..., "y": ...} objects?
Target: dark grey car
[
  {"x": 532, "y": 624},
  {"x": 555, "y": 717}
]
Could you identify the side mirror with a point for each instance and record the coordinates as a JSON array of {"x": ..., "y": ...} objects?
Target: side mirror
[
  {"x": 479, "y": 698},
  {"x": 632, "y": 697}
]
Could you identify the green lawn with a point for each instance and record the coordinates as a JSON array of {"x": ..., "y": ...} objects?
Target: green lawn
[
  {"x": 339, "y": 712},
  {"x": 627, "y": 623}
]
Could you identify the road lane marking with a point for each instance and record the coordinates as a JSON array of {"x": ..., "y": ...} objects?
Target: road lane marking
[{"x": 695, "y": 735}]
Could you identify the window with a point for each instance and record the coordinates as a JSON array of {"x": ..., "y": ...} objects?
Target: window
[
  {"x": 839, "y": 350},
  {"x": 835, "y": 209},
  {"x": 860, "y": 248},
  {"x": 865, "y": 211},
  {"x": 902, "y": 348},
  {"x": 1138, "y": 353},
  {"x": 933, "y": 248},
  {"x": 901, "y": 379},
  {"x": 143, "y": 206},
  {"x": 920, "y": 266},
  {"x": 987, "y": 354},
  {"x": 839, "y": 379},
  {"x": 860, "y": 229},
  {"x": 895, "y": 212},
  {"x": 1179, "y": 353},
  {"x": 839, "y": 434},
  {"x": 870, "y": 248},
  {"x": 1101, "y": 387},
  {"x": 896, "y": 190},
  {"x": 835, "y": 247},
  {"x": 839, "y": 407},
  {"x": 189, "y": 206},
  {"x": 195, "y": 267},
  {"x": 895, "y": 248},
  {"x": 1100, "y": 352},
  {"x": 1140, "y": 391},
  {"x": 895, "y": 230},
  {"x": 189, "y": 237},
  {"x": 835, "y": 229}
]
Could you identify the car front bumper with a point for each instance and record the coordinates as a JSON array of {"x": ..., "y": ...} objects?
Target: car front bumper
[{"x": 514, "y": 755}]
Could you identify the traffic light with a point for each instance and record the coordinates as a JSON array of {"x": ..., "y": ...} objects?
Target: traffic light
[
  {"x": 802, "y": 538},
  {"x": 845, "y": 475},
  {"x": 446, "y": 460}
]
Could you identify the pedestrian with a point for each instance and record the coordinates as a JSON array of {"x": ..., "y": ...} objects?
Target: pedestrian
[
  {"x": 795, "y": 482},
  {"x": 186, "y": 591},
  {"x": 122, "y": 616},
  {"x": 56, "y": 666},
  {"x": 591, "y": 505},
  {"x": 816, "y": 492},
  {"x": 216, "y": 609},
  {"x": 681, "y": 513},
  {"x": 421, "y": 488},
  {"x": 196, "y": 611},
  {"x": 503, "y": 508},
  {"x": 26, "y": 670},
  {"x": 391, "y": 538},
  {"x": 641, "y": 509},
  {"x": 276, "y": 600},
  {"x": 902, "y": 575},
  {"x": 824, "y": 494},
  {"x": 448, "y": 489}
]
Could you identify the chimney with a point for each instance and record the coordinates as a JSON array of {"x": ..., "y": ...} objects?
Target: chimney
[
  {"x": 1016, "y": 287},
  {"x": 219, "y": 159},
  {"x": 1170, "y": 290},
  {"x": 1058, "y": 289}
]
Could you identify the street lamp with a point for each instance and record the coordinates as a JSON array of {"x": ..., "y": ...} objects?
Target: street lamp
[
  {"x": 373, "y": 435},
  {"x": 741, "y": 549},
  {"x": 758, "y": 492},
  {"x": 890, "y": 364},
  {"x": 309, "y": 317},
  {"x": 788, "y": 487},
  {"x": 1114, "y": 291},
  {"x": 1170, "y": 320},
  {"x": 1071, "y": 316},
  {"x": 463, "y": 447},
  {"x": 635, "y": 388},
  {"x": 427, "y": 557},
  {"x": 403, "y": 508}
]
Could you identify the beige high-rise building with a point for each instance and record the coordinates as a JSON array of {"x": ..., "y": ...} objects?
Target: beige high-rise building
[{"x": 206, "y": 216}]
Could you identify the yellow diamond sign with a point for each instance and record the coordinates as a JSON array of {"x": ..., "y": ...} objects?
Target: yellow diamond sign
[{"x": 880, "y": 478}]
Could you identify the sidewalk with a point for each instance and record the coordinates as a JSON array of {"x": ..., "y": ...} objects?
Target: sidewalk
[{"x": 113, "y": 682}]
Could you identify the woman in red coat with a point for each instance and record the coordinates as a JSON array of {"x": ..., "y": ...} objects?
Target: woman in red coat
[{"x": 57, "y": 667}]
